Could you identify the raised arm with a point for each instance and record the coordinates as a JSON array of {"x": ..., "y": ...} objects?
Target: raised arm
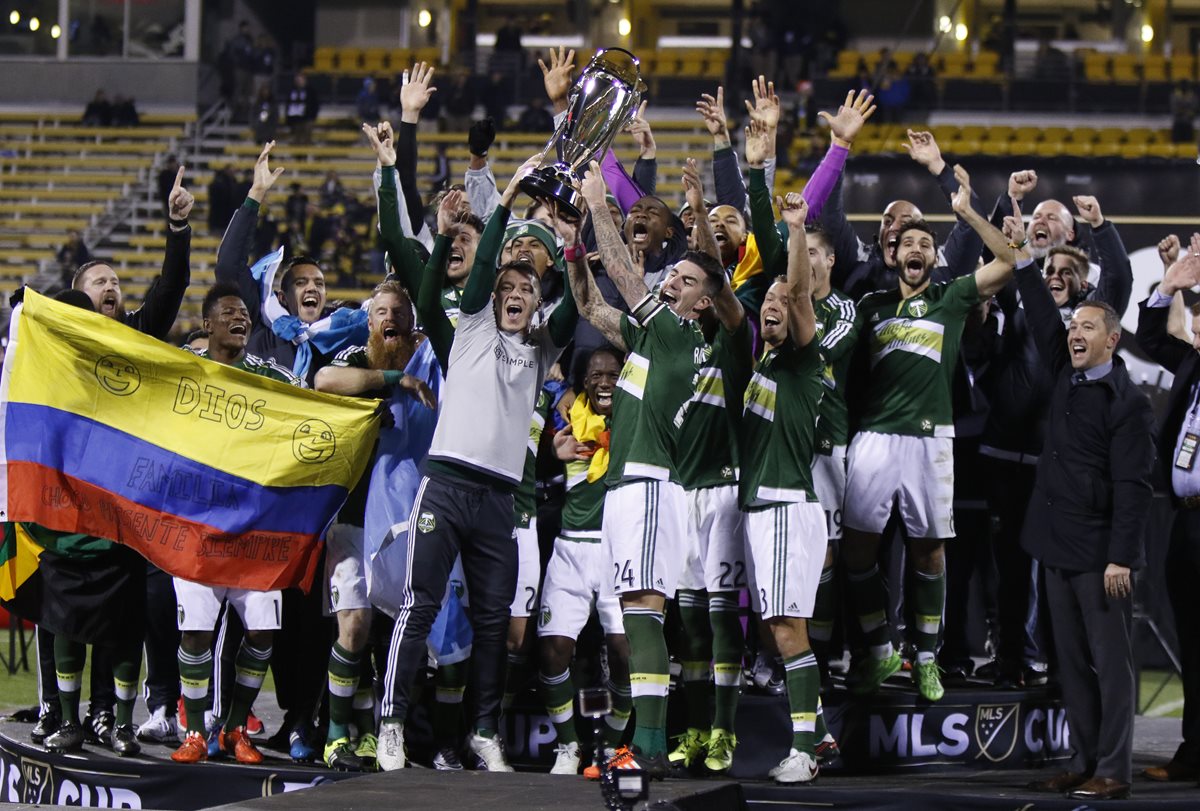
[
  {"x": 1116, "y": 273},
  {"x": 614, "y": 254},
  {"x": 352, "y": 382},
  {"x": 238, "y": 241},
  {"x": 693, "y": 191},
  {"x": 415, "y": 93},
  {"x": 645, "y": 168},
  {"x": 802, "y": 319},
  {"x": 160, "y": 307},
  {"x": 590, "y": 301},
  {"x": 1152, "y": 333},
  {"x": 963, "y": 246},
  {"x": 759, "y": 146},
  {"x": 478, "y": 290},
  {"x": 844, "y": 128},
  {"x": 1009, "y": 250},
  {"x": 405, "y": 261},
  {"x": 556, "y": 77}
]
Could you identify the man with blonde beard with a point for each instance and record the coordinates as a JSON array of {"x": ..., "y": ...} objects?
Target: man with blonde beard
[{"x": 374, "y": 370}]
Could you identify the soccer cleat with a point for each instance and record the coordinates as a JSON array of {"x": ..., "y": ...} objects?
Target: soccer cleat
[
  {"x": 691, "y": 745},
  {"x": 298, "y": 747},
  {"x": 68, "y": 738},
  {"x": 827, "y": 749},
  {"x": 193, "y": 749},
  {"x": 872, "y": 673},
  {"x": 253, "y": 725},
  {"x": 98, "y": 727},
  {"x": 367, "y": 749},
  {"x": 215, "y": 749},
  {"x": 159, "y": 728},
  {"x": 566, "y": 758},
  {"x": 390, "y": 754},
  {"x": 124, "y": 741},
  {"x": 237, "y": 743},
  {"x": 656, "y": 768},
  {"x": 927, "y": 677},
  {"x": 797, "y": 767},
  {"x": 447, "y": 760},
  {"x": 489, "y": 752},
  {"x": 592, "y": 772},
  {"x": 47, "y": 724},
  {"x": 341, "y": 757},
  {"x": 720, "y": 751}
]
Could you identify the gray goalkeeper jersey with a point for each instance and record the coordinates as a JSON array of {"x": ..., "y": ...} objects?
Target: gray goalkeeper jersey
[{"x": 491, "y": 387}]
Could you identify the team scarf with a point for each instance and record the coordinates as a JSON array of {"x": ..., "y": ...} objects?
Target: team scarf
[{"x": 590, "y": 428}]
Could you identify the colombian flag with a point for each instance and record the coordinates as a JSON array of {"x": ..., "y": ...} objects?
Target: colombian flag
[{"x": 212, "y": 473}]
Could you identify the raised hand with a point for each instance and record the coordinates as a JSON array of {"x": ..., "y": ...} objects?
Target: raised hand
[
  {"x": 557, "y": 76},
  {"x": 758, "y": 144},
  {"x": 594, "y": 190},
  {"x": 1022, "y": 183},
  {"x": 481, "y": 136},
  {"x": 922, "y": 148},
  {"x": 514, "y": 185},
  {"x": 264, "y": 178},
  {"x": 568, "y": 448},
  {"x": 381, "y": 141},
  {"x": 180, "y": 201},
  {"x": 1184, "y": 273},
  {"x": 447, "y": 213},
  {"x": 794, "y": 209},
  {"x": 850, "y": 117},
  {"x": 1089, "y": 209},
  {"x": 712, "y": 110},
  {"x": 961, "y": 200},
  {"x": 416, "y": 92},
  {"x": 766, "y": 104},
  {"x": 566, "y": 228},
  {"x": 1014, "y": 229},
  {"x": 639, "y": 128},
  {"x": 693, "y": 187},
  {"x": 419, "y": 389},
  {"x": 1168, "y": 250}
]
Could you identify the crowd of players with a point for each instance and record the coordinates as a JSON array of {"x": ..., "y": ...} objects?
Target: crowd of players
[{"x": 741, "y": 410}]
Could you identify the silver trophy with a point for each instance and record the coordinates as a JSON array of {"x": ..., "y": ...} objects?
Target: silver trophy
[{"x": 603, "y": 100}]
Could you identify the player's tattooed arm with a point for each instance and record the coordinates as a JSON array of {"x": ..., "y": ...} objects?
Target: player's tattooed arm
[
  {"x": 592, "y": 306},
  {"x": 614, "y": 254}
]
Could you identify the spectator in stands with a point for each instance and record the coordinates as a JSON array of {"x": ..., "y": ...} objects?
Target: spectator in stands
[
  {"x": 920, "y": 76},
  {"x": 1183, "y": 113},
  {"x": 265, "y": 115},
  {"x": 166, "y": 180},
  {"x": 332, "y": 191},
  {"x": 302, "y": 108},
  {"x": 237, "y": 58},
  {"x": 296, "y": 207},
  {"x": 459, "y": 101},
  {"x": 1051, "y": 64},
  {"x": 98, "y": 113},
  {"x": 222, "y": 199},
  {"x": 264, "y": 63},
  {"x": 124, "y": 112},
  {"x": 367, "y": 101},
  {"x": 535, "y": 117},
  {"x": 893, "y": 94},
  {"x": 73, "y": 253}
]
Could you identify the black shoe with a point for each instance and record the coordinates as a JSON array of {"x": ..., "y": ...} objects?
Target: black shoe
[
  {"x": 124, "y": 741},
  {"x": 988, "y": 671},
  {"x": 956, "y": 675},
  {"x": 47, "y": 725},
  {"x": 1035, "y": 678},
  {"x": 68, "y": 738},
  {"x": 98, "y": 727},
  {"x": 656, "y": 768},
  {"x": 340, "y": 756}
]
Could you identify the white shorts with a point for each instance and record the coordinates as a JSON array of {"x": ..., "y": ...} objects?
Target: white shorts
[
  {"x": 716, "y": 553},
  {"x": 644, "y": 537},
  {"x": 529, "y": 570},
  {"x": 787, "y": 544},
  {"x": 197, "y": 606},
  {"x": 574, "y": 583},
  {"x": 345, "y": 569},
  {"x": 829, "y": 482},
  {"x": 917, "y": 473}
]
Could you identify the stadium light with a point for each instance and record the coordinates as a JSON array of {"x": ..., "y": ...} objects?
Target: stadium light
[
  {"x": 424, "y": 18},
  {"x": 1147, "y": 33},
  {"x": 945, "y": 25},
  {"x": 55, "y": 31},
  {"x": 624, "y": 27},
  {"x": 960, "y": 32},
  {"x": 34, "y": 23},
  {"x": 14, "y": 17}
]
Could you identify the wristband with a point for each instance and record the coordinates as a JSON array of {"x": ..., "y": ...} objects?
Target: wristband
[
  {"x": 392, "y": 376},
  {"x": 575, "y": 252},
  {"x": 177, "y": 223},
  {"x": 1018, "y": 245}
]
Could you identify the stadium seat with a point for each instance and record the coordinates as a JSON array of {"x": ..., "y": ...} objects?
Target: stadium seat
[
  {"x": 1081, "y": 135},
  {"x": 953, "y": 65},
  {"x": 1125, "y": 68},
  {"x": 1133, "y": 150},
  {"x": 1060, "y": 134},
  {"x": 1154, "y": 68},
  {"x": 1001, "y": 132},
  {"x": 1027, "y": 134},
  {"x": 349, "y": 60},
  {"x": 1140, "y": 135},
  {"x": 325, "y": 59},
  {"x": 986, "y": 64},
  {"x": 1183, "y": 66},
  {"x": 995, "y": 148},
  {"x": 375, "y": 60},
  {"x": 972, "y": 133},
  {"x": 1095, "y": 67}
]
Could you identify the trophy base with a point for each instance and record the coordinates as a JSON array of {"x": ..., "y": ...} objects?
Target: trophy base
[{"x": 554, "y": 186}]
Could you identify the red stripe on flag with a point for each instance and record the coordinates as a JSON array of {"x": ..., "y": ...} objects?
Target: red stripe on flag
[{"x": 261, "y": 561}]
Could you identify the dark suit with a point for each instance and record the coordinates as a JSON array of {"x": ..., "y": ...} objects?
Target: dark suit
[
  {"x": 1090, "y": 502},
  {"x": 1183, "y": 554}
]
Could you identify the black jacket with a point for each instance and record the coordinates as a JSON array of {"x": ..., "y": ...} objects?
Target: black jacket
[
  {"x": 1092, "y": 494},
  {"x": 160, "y": 307},
  {"x": 1180, "y": 359}
]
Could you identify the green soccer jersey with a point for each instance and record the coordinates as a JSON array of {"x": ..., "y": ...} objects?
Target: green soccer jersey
[
  {"x": 836, "y": 334},
  {"x": 263, "y": 367},
  {"x": 913, "y": 345},
  {"x": 779, "y": 426},
  {"x": 525, "y": 499},
  {"x": 450, "y": 303},
  {"x": 708, "y": 439},
  {"x": 658, "y": 379},
  {"x": 583, "y": 508}
]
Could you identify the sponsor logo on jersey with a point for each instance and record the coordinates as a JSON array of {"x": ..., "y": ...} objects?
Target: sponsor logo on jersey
[
  {"x": 426, "y": 522},
  {"x": 926, "y": 425}
]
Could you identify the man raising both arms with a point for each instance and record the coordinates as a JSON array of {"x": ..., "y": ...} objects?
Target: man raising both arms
[
  {"x": 645, "y": 511},
  {"x": 904, "y": 451}
]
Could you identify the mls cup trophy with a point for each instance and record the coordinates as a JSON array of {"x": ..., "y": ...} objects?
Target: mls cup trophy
[{"x": 603, "y": 100}]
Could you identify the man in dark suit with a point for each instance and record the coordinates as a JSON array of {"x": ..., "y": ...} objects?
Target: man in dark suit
[
  {"x": 1084, "y": 524},
  {"x": 1176, "y": 455}
]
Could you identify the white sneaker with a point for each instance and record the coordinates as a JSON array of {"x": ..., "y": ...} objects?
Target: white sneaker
[
  {"x": 490, "y": 753},
  {"x": 389, "y": 753},
  {"x": 797, "y": 767},
  {"x": 159, "y": 728},
  {"x": 566, "y": 760}
]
